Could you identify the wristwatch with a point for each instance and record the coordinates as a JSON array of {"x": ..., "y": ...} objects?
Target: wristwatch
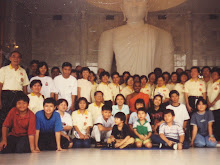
[{"x": 211, "y": 136}]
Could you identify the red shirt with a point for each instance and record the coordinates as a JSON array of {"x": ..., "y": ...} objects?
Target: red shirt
[{"x": 20, "y": 126}]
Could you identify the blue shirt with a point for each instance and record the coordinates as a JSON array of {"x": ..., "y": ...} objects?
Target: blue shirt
[
  {"x": 53, "y": 124},
  {"x": 125, "y": 109}
]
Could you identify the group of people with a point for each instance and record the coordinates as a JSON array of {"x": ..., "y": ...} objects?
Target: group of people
[{"x": 76, "y": 107}]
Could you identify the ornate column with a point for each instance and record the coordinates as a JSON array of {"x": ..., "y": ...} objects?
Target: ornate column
[{"x": 84, "y": 39}]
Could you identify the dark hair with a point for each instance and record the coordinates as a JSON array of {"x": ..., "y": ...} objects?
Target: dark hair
[
  {"x": 85, "y": 69},
  {"x": 139, "y": 101},
  {"x": 143, "y": 76},
  {"x": 161, "y": 97},
  {"x": 203, "y": 101},
  {"x": 91, "y": 72},
  {"x": 216, "y": 69},
  {"x": 66, "y": 64},
  {"x": 55, "y": 67},
  {"x": 106, "y": 108},
  {"x": 74, "y": 71},
  {"x": 167, "y": 74},
  {"x": 141, "y": 109},
  {"x": 173, "y": 74},
  {"x": 158, "y": 70},
  {"x": 195, "y": 67},
  {"x": 167, "y": 111},
  {"x": 104, "y": 73},
  {"x": 121, "y": 96},
  {"x": 41, "y": 64},
  {"x": 121, "y": 116},
  {"x": 22, "y": 96},
  {"x": 126, "y": 81},
  {"x": 98, "y": 92},
  {"x": 151, "y": 74},
  {"x": 114, "y": 73},
  {"x": 126, "y": 72},
  {"x": 60, "y": 101},
  {"x": 35, "y": 82},
  {"x": 136, "y": 75},
  {"x": 205, "y": 68},
  {"x": 173, "y": 92},
  {"x": 82, "y": 99},
  {"x": 160, "y": 77},
  {"x": 15, "y": 52},
  {"x": 49, "y": 100},
  {"x": 183, "y": 73},
  {"x": 34, "y": 62}
]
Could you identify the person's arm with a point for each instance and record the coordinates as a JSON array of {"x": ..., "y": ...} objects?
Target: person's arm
[
  {"x": 131, "y": 128},
  {"x": 81, "y": 136},
  {"x": 78, "y": 92},
  {"x": 216, "y": 99},
  {"x": 184, "y": 125},
  {"x": 204, "y": 95},
  {"x": 128, "y": 99},
  {"x": 148, "y": 136},
  {"x": 56, "y": 96},
  {"x": 57, "y": 135},
  {"x": 72, "y": 108},
  {"x": 210, "y": 130},
  {"x": 87, "y": 132},
  {"x": 122, "y": 142},
  {"x": 1, "y": 85},
  {"x": 187, "y": 102},
  {"x": 127, "y": 118},
  {"x": 25, "y": 89},
  {"x": 163, "y": 137},
  {"x": 102, "y": 128},
  {"x": 181, "y": 140},
  {"x": 52, "y": 95},
  {"x": 166, "y": 100},
  {"x": 65, "y": 135},
  {"x": 138, "y": 135},
  {"x": 67, "y": 128},
  {"x": 194, "y": 133},
  {"x": 3, "y": 143},
  {"x": 36, "y": 140},
  {"x": 32, "y": 144}
]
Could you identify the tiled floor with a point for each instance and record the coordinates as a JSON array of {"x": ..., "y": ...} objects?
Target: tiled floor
[{"x": 192, "y": 156}]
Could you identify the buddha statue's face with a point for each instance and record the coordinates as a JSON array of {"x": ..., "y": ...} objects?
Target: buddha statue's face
[{"x": 135, "y": 10}]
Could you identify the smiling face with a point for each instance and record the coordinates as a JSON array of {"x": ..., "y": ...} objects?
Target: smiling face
[
  {"x": 62, "y": 106},
  {"x": 15, "y": 59},
  {"x": 201, "y": 107},
  {"x": 116, "y": 79},
  {"x": 134, "y": 10},
  {"x": 36, "y": 88},
  {"x": 43, "y": 70},
  {"x": 22, "y": 105},
  {"x": 85, "y": 74},
  {"x": 105, "y": 79},
  {"x": 106, "y": 114},
  {"x": 183, "y": 78},
  {"x": 49, "y": 108},
  {"x": 137, "y": 87},
  {"x": 120, "y": 100},
  {"x": 157, "y": 101}
]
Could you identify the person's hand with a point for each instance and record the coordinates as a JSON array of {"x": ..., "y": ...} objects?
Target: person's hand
[
  {"x": 68, "y": 138},
  {"x": 3, "y": 144},
  {"x": 117, "y": 145},
  {"x": 189, "y": 108},
  {"x": 141, "y": 137},
  {"x": 192, "y": 144},
  {"x": 180, "y": 146},
  {"x": 170, "y": 143},
  {"x": 146, "y": 137},
  {"x": 112, "y": 139},
  {"x": 212, "y": 139},
  {"x": 81, "y": 136},
  {"x": 59, "y": 149},
  {"x": 86, "y": 137}
]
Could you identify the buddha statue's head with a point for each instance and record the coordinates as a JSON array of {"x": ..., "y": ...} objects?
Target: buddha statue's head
[{"x": 135, "y": 10}]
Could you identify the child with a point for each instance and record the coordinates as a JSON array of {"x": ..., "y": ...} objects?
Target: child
[
  {"x": 48, "y": 88},
  {"x": 142, "y": 130},
  {"x": 202, "y": 121},
  {"x": 82, "y": 122},
  {"x": 66, "y": 86},
  {"x": 171, "y": 133},
  {"x": 104, "y": 87},
  {"x": 49, "y": 127},
  {"x": 120, "y": 137},
  {"x": 96, "y": 108},
  {"x": 139, "y": 103},
  {"x": 66, "y": 119},
  {"x": 156, "y": 114},
  {"x": 103, "y": 126},
  {"x": 84, "y": 85},
  {"x": 22, "y": 125},
  {"x": 120, "y": 107},
  {"x": 36, "y": 99}
]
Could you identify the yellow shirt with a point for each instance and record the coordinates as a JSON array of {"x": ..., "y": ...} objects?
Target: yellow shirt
[
  {"x": 147, "y": 90},
  {"x": 106, "y": 91},
  {"x": 12, "y": 79},
  {"x": 95, "y": 111},
  {"x": 195, "y": 88},
  {"x": 36, "y": 103},
  {"x": 163, "y": 91},
  {"x": 212, "y": 92},
  {"x": 127, "y": 91},
  {"x": 116, "y": 89},
  {"x": 93, "y": 90},
  {"x": 170, "y": 86}
]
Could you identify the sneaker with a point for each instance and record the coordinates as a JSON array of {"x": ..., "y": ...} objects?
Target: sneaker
[{"x": 175, "y": 146}]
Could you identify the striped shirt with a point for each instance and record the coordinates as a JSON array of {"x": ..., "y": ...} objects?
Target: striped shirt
[{"x": 173, "y": 131}]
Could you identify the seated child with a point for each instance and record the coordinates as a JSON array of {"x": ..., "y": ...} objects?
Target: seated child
[
  {"x": 103, "y": 126},
  {"x": 171, "y": 134},
  {"x": 202, "y": 120},
  {"x": 48, "y": 128},
  {"x": 96, "y": 108},
  {"x": 120, "y": 137},
  {"x": 139, "y": 103},
  {"x": 36, "y": 99},
  {"x": 120, "y": 106},
  {"x": 142, "y": 129},
  {"x": 82, "y": 122},
  {"x": 66, "y": 119},
  {"x": 22, "y": 125}
]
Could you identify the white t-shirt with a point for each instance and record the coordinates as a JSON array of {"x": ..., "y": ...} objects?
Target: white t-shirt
[
  {"x": 66, "y": 120},
  {"x": 65, "y": 88},
  {"x": 109, "y": 123},
  {"x": 85, "y": 88},
  {"x": 181, "y": 113},
  {"x": 47, "y": 88}
]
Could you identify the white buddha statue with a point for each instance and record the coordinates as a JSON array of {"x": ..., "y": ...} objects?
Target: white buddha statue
[{"x": 138, "y": 47}]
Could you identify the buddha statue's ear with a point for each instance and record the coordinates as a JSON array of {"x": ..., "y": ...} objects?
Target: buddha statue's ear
[
  {"x": 145, "y": 18},
  {"x": 147, "y": 10},
  {"x": 122, "y": 9}
]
